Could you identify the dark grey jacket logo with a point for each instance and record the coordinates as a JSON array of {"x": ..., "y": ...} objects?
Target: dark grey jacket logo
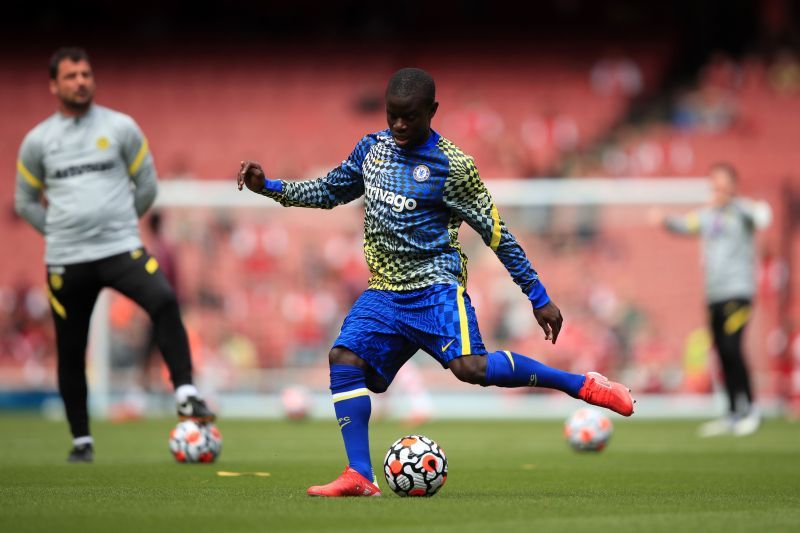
[{"x": 77, "y": 170}]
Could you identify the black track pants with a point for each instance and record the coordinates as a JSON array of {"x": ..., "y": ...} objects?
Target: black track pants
[
  {"x": 728, "y": 320},
  {"x": 73, "y": 291}
]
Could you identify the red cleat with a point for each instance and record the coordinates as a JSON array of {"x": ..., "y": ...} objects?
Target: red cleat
[
  {"x": 598, "y": 390},
  {"x": 350, "y": 483}
]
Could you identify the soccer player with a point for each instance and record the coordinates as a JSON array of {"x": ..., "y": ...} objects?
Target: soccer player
[
  {"x": 418, "y": 188},
  {"x": 93, "y": 168},
  {"x": 726, "y": 228}
]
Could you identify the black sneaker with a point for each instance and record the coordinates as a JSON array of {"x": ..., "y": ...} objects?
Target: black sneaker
[
  {"x": 195, "y": 409},
  {"x": 81, "y": 454}
]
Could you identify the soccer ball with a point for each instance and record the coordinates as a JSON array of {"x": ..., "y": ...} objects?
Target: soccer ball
[
  {"x": 415, "y": 466},
  {"x": 191, "y": 442},
  {"x": 588, "y": 430}
]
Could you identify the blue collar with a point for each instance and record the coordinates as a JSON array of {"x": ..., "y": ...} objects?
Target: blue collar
[{"x": 430, "y": 143}]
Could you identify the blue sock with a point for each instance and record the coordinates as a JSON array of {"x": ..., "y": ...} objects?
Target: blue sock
[
  {"x": 353, "y": 407},
  {"x": 509, "y": 369}
]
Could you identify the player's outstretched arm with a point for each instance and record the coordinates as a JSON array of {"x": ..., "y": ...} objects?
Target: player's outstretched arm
[
  {"x": 466, "y": 194},
  {"x": 688, "y": 224},
  {"x": 343, "y": 184}
]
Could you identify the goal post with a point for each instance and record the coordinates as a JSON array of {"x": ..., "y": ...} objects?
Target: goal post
[{"x": 265, "y": 290}]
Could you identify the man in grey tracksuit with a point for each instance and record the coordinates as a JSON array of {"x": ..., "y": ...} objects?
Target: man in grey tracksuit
[
  {"x": 93, "y": 167},
  {"x": 726, "y": 228}
]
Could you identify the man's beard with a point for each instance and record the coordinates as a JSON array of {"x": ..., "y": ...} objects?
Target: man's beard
[{"x": 78, "y": 107}]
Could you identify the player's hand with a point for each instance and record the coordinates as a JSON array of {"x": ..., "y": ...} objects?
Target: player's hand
[
  {"x": 550, "y": 320},
  {"x": 251, "y": 175}
]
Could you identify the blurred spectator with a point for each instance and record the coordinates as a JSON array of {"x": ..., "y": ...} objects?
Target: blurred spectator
[
  {"x": 721, "y": 72},
  {"x": 711, "y": 109},
  {"x": 616, "y": 75},
  {"x": 547, "y": 136},
  {"x": 784, "y": 73},
  {"x": 26, "y": 335},
  {"x": 653, "y": 362},
  {"x": 696, "y": 362},
  {"x": 477, "y": 120}
]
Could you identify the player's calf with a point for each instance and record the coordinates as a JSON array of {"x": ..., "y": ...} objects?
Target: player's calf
[{"x": 470, "y": 369}]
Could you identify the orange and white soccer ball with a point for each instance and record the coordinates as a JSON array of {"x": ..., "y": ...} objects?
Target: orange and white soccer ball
[
  {"x": 415, "y": 466},
  {"x": 588, "y": 430},
  {"x": 191, "y": 442}
]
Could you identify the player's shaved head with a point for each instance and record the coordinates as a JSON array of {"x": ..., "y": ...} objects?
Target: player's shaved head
[
  {"x": 412, "y": 83},
  {"x": 410, "y": 106}
]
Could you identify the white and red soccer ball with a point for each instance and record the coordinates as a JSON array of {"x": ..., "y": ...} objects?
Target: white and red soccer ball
[
  {"x": 415, "y": 466},
  {"x": 588, "y": 430},
  {"x": 191, "y": 442}
]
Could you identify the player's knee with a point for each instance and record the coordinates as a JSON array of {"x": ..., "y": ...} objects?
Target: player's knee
[
  {"x": 375, "y": 382},
  {"x": 469, "y": 369},
  {"x": 164, "y": 301},
  {"x": 343, "y": 356}
]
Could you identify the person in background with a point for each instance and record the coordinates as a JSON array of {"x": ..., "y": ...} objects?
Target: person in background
[
  {"x": 727, "y": 227},
  {"x": 94, "y": 170}
]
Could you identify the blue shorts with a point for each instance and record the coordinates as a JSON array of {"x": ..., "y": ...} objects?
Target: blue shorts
[{"x": 385, "y": 328}]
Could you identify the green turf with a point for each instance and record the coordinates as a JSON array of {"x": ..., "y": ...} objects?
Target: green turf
[{"x": 504, "y": 476}]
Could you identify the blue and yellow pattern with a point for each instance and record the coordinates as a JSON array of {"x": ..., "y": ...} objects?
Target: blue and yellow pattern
[
  {"x": 385, "y": 328},
  {"x": 415, "y": 202}
]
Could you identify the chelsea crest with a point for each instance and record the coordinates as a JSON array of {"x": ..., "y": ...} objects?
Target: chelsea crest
[{"x": 421, "y": 173}]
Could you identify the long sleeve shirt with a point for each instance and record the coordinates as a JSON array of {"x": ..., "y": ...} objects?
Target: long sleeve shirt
[
  {"x": 98, "y": 177},
  {"x": 415, "y": 201},
  {"x": 728, "y": 247}
]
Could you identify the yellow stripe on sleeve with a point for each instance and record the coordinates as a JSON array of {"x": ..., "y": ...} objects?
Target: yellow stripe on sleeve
[
  {"x": 29, "y": 177},
  {"x": 57, "y": 307},
  {"x": 693, "y": 222},
  {"x": 466, "y": 347},
  {"x": 496, "y": 229},
  {"x": 137, "y": 161}
]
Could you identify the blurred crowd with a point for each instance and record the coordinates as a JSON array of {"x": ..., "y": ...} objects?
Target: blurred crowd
[
  {"x": 263, "y": 293},
  {"x": 752, "y": 100}
]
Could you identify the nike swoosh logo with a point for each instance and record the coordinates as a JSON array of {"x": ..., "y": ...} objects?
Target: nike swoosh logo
[
  {"x": 446, "y": 346},
  {"x": 380, "y": 161},
  {"x": 343, "y": 425}
]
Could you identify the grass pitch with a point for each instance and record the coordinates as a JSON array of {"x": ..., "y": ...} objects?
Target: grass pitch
[{"x": 504, "y": 476}]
